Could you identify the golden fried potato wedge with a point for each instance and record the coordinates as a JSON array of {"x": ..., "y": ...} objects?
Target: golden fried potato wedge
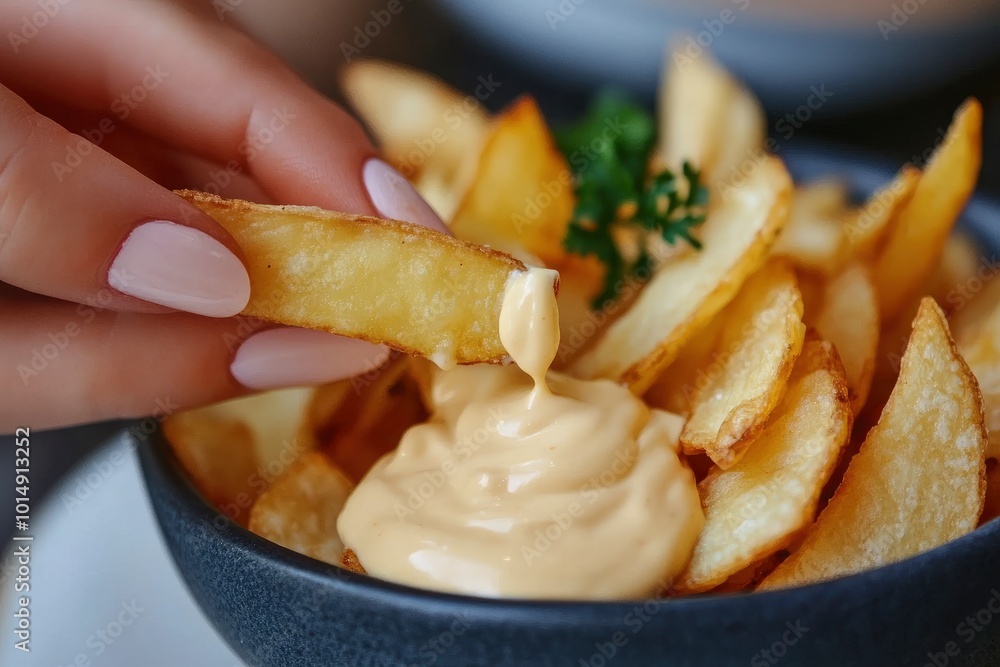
[
  {"x": 956, "y": 272},
  {"x": 848, "y": 318},
  {"x": 677, "y": 387},
  {"x": 706, "y": 118},
  {"x": 865, "y": 228},
  {"x": 754, "y": 357},
  {"x": 275, "y": 419},
  {"x": 918, "y": 480},
  {"x": 918, "y": 236},
  {"x": 219, "y": 456},
  {"x": 756, "y": 507},
  {"x": 411, "y": 288},
  {"x": 232, "y": 449},
  {"x": 377, "y": 410},
  {"x": 422, "y": 124},
  {"x": 522, "y": 193},
  {"x": 299, "y": 511},
  {"x": 814, "y": 238},
  {"x": 685, "y": 293},
  {"x": 979, "y": 343},
  {"x": 748, "y": 578}
]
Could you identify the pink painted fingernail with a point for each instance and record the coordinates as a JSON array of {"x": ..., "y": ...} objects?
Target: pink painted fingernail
[
  {"x": 289, "y": 357},
  {"x": 395, "y": 198},
  {"x": 180, "y": 267}
]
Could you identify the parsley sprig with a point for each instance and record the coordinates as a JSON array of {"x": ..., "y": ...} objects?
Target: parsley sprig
[{"x": 609, "y": 152}]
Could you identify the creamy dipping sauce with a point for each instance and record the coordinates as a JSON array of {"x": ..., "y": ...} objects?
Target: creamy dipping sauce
[{"x": 529, "y": 484}]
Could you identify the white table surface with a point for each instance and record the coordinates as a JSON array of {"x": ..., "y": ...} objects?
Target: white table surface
[{"x": 97, "y": 555}]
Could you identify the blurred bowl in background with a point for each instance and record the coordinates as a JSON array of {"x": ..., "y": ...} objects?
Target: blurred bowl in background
[{"x": 863, "y": 52}]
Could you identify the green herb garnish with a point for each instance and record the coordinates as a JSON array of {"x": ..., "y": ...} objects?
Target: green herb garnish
[{"x": 609, "y": 152}]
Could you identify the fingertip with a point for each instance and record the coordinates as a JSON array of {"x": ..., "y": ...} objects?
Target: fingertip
[
  {"x": 289, "y": 356},
  {"x": 180, "y": 267}
]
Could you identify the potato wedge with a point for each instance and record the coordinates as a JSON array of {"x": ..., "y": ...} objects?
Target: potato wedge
[
  {"x": 522, "y": 193},
  {"x": 422, "y": 124},
  {"x": 956, "y": 272},
  {"x": 233, "y": 449},
  {"x": 405, "y": 286},
  {"x": 748, "y": 578},
  {"x": 707, "y": 118},
  {"x": 219, "y": 456},
  {"x": 814, "y": 238},
  {"x": 866, "y": 227},
  {"x": 685, "y": 293},
  {"x": 848, "y": 318},
  {"x": 918, "y": 480},
  {"x": 753, "y": 359},
  {"x": 755, "y": 508},
  {"x": 299, "y": 511},
  {"x": 275, "y": 419},
  {"x": 979, "y": 345},
  {"x": 918, "y": 236},
  {"x": 379, "y": 408},
  {"x": 677, "y": 387}
]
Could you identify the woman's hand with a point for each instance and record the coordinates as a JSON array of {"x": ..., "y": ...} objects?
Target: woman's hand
[{"x": 119, "y": 297}]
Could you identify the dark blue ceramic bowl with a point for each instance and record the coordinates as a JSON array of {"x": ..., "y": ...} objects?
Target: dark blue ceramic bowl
[{"x": 277, "y": 608}]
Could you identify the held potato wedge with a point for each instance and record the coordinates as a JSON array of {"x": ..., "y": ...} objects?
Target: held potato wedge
[
  {"x": 919, "y": 233},
  {"x": 411, "y": 288},
  {"x": 747, "y": 377},
  {"x": 755, "y": 508},
  {"x": 918, "y": 480},
  {"x": 685, "y": 293}
]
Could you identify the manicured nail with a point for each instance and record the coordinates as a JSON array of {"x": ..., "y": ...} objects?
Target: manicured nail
[
  {"x": 180, "y": 267},
  {"x": 395, "y": 198},
  {"x": 289, "y": 357}
]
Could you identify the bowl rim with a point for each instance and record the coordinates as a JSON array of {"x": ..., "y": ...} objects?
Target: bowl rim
[{"x": 158, "y": 459}]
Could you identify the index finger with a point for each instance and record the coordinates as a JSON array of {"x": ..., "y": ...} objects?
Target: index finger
[{"x": 206, "y": 88}]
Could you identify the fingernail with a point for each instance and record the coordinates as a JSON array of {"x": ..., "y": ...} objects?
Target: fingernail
[
  {"x": 395, "y": 198},
  {"x": 180, "y": 267},
  {"x": 289, "y": 357}
]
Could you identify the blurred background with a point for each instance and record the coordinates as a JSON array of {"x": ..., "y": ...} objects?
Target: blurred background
[{"x": 891, "y": 73}]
